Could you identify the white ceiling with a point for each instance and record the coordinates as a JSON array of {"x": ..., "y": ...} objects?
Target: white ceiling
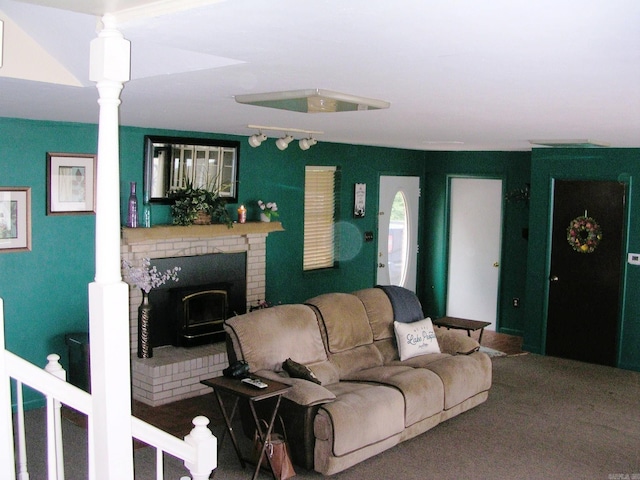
[{"x": 459, "y": 74}]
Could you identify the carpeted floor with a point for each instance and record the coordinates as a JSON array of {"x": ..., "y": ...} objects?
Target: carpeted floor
[{"x": 546, "y": 418}]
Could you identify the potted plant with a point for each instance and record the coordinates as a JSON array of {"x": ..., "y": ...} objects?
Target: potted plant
[
  {"x": 198, "y": 206},
  {"x": 268, "y": 210}
]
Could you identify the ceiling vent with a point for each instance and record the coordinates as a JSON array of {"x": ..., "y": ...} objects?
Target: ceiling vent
[
  {"x": 569, "y": 143},
  {"x": 312, "y": 101}
]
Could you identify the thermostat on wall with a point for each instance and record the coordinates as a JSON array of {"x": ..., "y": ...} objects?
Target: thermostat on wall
[{"x": 634, "y": 258}]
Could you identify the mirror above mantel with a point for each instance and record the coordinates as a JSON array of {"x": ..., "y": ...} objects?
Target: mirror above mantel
[{"x": 170, "y": 163}]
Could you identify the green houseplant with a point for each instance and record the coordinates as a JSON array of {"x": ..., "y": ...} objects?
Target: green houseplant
[{"x": 198, "y": 206}]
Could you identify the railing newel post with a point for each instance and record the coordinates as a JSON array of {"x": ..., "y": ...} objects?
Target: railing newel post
[
  {"x": 205, "y": 446},
  {"x": 54, "y": 420}
]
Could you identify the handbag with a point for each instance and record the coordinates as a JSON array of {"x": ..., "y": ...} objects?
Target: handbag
[{"x": 278, "y": 451}]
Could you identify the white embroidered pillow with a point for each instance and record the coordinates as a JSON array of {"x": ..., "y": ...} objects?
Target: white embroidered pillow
[{"x": 417, "y": 338}]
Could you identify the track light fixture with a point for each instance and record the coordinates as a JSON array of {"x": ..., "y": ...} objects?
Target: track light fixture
[
  {"x": 307, "y": 143},
  {"x": 282, "y": 143},
  {"x": 257, "y": 139}
]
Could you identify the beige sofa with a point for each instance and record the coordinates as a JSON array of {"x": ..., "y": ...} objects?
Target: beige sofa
[{"x": 367, "y": 400}]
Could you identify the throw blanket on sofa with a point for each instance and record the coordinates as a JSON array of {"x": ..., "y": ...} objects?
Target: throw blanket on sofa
[{"x": 405, "y": 303}]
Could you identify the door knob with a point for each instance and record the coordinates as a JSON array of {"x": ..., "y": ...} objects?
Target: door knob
[
  {"x": 496, "y": 264},
  {"x": 381, "y": 265},
  {"x": 553, "y": 278}
]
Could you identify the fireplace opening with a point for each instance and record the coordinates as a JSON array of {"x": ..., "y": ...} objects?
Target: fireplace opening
[
  {"x": 190, "y": 312},
  {"x": 201, "y": 317}
]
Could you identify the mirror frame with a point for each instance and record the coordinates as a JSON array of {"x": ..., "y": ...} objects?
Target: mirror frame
[{"x": 150, "y": 143}]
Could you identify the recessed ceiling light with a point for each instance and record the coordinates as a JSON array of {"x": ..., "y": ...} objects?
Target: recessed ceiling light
[
  {"x": 312, "y": 101},
  {"x": 569, "y": 143}
]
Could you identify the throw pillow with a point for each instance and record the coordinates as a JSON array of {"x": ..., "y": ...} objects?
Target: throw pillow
[
  {"x": 417, "y": 338},
  {"x": 298, "y": 370}
]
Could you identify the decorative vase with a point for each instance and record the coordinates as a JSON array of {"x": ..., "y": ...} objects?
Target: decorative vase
[
  {"x": 264, "y": 218},
  {"x": 145, "y": 350},
  {"x": 146, "y": 215},
  {"x": 132, "y": 214}
]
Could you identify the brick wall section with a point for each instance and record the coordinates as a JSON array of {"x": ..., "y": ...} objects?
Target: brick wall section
[{"x": 175, "y": 373}]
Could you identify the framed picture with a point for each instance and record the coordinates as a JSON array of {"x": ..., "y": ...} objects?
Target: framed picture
[
  {"x": 15, "y": 219},
  {"x": 359, "y": 200},
  {"x": 71, "y": 184}
]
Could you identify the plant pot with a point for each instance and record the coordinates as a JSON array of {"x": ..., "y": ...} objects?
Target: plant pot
[
  {"x": 202, "y": 219},
  {"x": 264, "y": 218}
]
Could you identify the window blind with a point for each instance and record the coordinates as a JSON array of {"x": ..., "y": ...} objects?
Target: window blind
[{"x": 319, "y": 217}]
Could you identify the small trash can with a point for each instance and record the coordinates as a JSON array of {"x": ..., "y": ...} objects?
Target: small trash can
[{"x": 79, "y": 373}]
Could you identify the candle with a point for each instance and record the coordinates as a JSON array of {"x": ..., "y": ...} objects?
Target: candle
[{"x": 242, "y": 214}]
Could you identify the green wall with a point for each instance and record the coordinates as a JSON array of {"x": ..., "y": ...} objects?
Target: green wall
[
  {"x": 45, "y": 290},
  {"x": 581, "y": 164},
  {"x": 268, "y": 174}
]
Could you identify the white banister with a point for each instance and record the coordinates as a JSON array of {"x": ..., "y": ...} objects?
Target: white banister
[
  {"x": 23, "y": 469},
  {"x": 198, "y": 450},
  {"x": 206, "y": 449},
  {"x": 55, "y": 454},
  {"x": 44, "y": 382},
  {"x": 6, "y": 422}
]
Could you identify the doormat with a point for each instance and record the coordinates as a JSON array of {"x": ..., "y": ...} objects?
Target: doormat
[{"x": 491, "y": 352}]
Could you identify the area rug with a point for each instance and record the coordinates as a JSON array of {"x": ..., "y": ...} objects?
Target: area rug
[{"x": 491, "y": 352}]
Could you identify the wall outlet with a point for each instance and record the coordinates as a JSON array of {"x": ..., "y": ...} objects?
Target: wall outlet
[
  {"x": 634, "y": 258},
  {"x": 515, "y": 302}
]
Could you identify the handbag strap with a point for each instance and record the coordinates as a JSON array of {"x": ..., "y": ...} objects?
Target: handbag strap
[{"x": 266, "y": 426}]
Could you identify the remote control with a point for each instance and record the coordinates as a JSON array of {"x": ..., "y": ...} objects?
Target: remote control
[{"x": 254, "y": 382}]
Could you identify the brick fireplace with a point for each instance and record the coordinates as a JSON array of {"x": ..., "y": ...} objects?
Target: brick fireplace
[{"x": 174, "y": 373}]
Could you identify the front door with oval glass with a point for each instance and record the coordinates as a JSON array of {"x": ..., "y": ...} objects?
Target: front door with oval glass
[{"x": 398, "y": 231}]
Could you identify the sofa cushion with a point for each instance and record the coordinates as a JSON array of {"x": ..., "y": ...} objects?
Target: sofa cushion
[
  {"x": 379, "y": 311},
  {"x": 345, "y": 321},
  {"x": 267, "y": 337},
  {"x": 362, "y": 414},
  {"x": 417, "y": 338},
  {"x": 325, "y": 371},
  {"x": 463, "y": 376},
  {"x": 359, "y": 358},
  {"x": 422, "y": 389}
]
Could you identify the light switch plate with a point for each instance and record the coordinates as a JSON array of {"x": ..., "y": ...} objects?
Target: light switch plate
[{"x": 634, "y": 258}]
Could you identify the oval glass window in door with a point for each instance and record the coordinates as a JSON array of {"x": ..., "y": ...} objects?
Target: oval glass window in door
[{"x": 398, "y": 240}]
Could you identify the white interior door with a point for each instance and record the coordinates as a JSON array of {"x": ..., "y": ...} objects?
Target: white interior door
[
  {"x": 398, "y": 231},
  {"x": 474, "y": 249}
]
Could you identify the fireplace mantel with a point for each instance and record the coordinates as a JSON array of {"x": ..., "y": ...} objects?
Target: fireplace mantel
[{"x": 164, "y": 232}]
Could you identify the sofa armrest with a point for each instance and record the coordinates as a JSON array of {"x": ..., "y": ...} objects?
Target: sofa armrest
[
  {"x": 304, "y": 392},
  {"x": 455, "y": 341}
]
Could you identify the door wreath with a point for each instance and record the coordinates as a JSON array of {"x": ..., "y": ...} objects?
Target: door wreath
[{"x": 584, "y": 234}]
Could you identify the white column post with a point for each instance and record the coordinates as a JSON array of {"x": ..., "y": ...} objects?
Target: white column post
[{"x": 109, "y": 295}]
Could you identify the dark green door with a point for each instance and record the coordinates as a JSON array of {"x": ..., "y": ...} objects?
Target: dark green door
[{"x": 586, "y": 269}]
